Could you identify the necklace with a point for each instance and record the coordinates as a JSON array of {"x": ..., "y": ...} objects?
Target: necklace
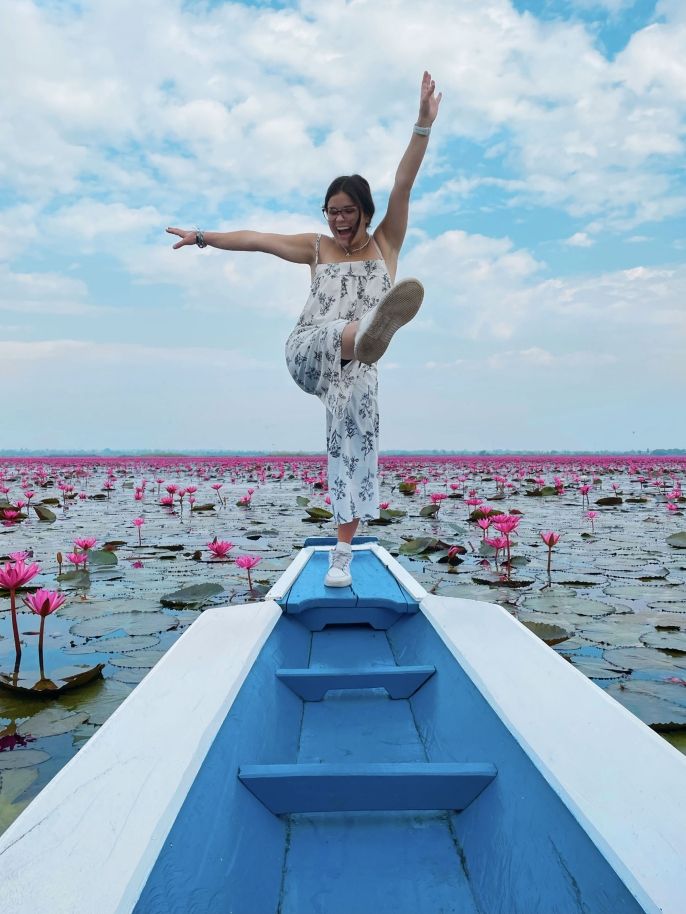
[{"x": 361, "y": 247}]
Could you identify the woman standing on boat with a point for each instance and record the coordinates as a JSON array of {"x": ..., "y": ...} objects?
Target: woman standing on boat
[{"x": 352, "y": 312}]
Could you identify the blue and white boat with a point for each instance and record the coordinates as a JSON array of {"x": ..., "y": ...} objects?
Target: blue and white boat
[{"x": 363, "y": 750}]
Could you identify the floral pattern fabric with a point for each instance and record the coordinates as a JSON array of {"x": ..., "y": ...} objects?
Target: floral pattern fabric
[{"x": 340, "y": 293}]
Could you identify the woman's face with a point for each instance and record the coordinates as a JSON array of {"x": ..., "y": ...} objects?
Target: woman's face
[{"x": 347, "y": 222}]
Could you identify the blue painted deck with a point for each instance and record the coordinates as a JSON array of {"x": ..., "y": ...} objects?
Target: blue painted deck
[
  {"x": 374, "y": 598},
  {"x": 515, "y": 849}
]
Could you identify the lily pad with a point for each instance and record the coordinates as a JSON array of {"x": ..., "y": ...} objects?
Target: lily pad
[
  {"x": 419, "y": 545},
  {"x": 14, "y": 782},
  {"x": 45, "y": 514},
  {"x": 116, "y": 645},
  {"x": 661, "y": 705},
  {"x": 139, "y": 660},
  {"x": 133, "y": 623},
  {"x": 551, "y": 634},
  {"x": 572, "y": 579},
  {"x": 677, "y": 540},
  {"x": 615, "y": 631},
  {"x": 319, "y": 513},
  {"x": 429, "y": 511},
  {"x": 653, "y": 593},
  {"x": 666, "y": 640},
  {"x": 130, "y": 675},
  {"x": 102, "y": 557},
  {"x": 22, "y": 758},
  {"x": 609, "y": 500},
  {"x": 480, "y": 592},
  {"x": 597, "y": 667},
  {"x": 648, "y": 661},
  {"x": 561, "y": 603},
  {"x": 192, "y": 597},
  {"x": 59, "y": 681},
  {"x": 51, "y": 722}
]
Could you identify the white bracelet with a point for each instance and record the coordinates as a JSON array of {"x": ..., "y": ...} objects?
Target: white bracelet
[{"x": 422, "y": 131}]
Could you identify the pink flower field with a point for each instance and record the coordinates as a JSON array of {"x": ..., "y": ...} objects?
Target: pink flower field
[{"x": 588, "y": 552}]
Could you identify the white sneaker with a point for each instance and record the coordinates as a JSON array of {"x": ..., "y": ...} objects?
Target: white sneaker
[
  {"x": 338, "y": 574},
  {"x": 376, "y": 328}
]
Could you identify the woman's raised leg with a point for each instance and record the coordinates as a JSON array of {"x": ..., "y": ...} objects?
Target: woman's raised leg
[
  {"x": 348, "y": 340},
  {"x": 346, "y": 532}
]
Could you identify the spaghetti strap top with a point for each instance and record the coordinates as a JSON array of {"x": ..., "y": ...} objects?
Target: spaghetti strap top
[{"x": 318, "y": 241}]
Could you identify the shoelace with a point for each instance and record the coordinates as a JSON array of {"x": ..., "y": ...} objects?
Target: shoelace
[{"x": 340, "y": 560}]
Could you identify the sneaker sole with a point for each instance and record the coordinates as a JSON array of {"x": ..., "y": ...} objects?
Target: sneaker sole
[
  {"x": 344, "y": 583},
  {"x": 396, "y": 309}
]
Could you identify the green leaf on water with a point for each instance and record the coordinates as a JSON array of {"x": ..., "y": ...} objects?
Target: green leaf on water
[
  {"x": 133, "y": 623},
  {"x": 597, "y": 667},
  {"x": 102, "y": 557},
  {"x": 677, "y": 540},
  {"x": 609, "y": 500},
  {"x": 22, "y": 758},
  {"x": 319, "y": 513},
  {"x": 567, "y": 603},
  {"x": 302, "y": 501},
  {"x": 192, "y": 597},
  {"x": 51, "y": 722},
  {"x": 428, "y": 511},
  {"x": 551, "y": 634},
  {"x": 661, "y": 705},
  {"x": 45, "y": 514},
  {"x": 666, "y": 640},
  {"x": 419, "y": 545}
]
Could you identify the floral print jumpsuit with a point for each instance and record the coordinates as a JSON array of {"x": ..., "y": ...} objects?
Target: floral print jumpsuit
[{"x": 340, "y": 293}]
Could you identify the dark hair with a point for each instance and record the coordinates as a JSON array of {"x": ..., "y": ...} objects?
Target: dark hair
[{"x": 357, "y": 188}]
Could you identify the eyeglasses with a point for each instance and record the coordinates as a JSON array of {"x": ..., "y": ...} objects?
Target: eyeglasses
[{"x": 332, "y": 212}]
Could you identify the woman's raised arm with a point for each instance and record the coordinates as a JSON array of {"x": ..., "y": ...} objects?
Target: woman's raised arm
[
  {"x": 394, "y": 224},
  {"x": 294, "y": 248}
]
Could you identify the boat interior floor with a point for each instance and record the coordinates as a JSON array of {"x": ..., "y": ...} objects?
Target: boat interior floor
[{"x": 375, "y": 855}]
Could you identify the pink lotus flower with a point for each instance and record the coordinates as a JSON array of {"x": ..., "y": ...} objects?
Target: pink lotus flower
[
  {"x": 383, "y": 505},
  {"x": 498, "y": 543},
  {"x": 138, "y": 522},
  {"x": 591, "y": 515},
  {"x": 19, "y": 556},
  {"x": 220, "y": 548},
  {"x": 44, "y": 602},
  {"x": 13, "y": 576},
  {"x": 550, "y": 539},
  {"x": 167, "y": 501},
  {"x": 506, "y": 523},
  {"x": 85, "y": 542},
  {"x": 248, "y": 562},
  {"x": 77, "y": 558},
  {"x": 484, "y": 523}
]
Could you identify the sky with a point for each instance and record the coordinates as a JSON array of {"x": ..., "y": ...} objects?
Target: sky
[{"x": 547, "y": 223}]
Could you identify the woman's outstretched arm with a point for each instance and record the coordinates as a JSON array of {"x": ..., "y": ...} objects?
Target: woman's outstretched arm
[
  {"x": 294, "y": 248},
  {"x": 394, "y": 224}
]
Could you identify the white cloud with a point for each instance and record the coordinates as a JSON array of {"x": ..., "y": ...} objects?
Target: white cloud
[
  {"x": 267, "y": 111},
  {"x": 43, "y": 293},
  {"x": 580, "y": 240}
]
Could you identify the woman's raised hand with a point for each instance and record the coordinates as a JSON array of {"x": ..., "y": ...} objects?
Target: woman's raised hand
[
  {"x": 428, "y": 101},
  {"x": 187, "y": 237}
]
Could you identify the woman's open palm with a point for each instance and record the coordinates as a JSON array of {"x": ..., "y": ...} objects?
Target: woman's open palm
[{"x": 428, "y": 101}]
